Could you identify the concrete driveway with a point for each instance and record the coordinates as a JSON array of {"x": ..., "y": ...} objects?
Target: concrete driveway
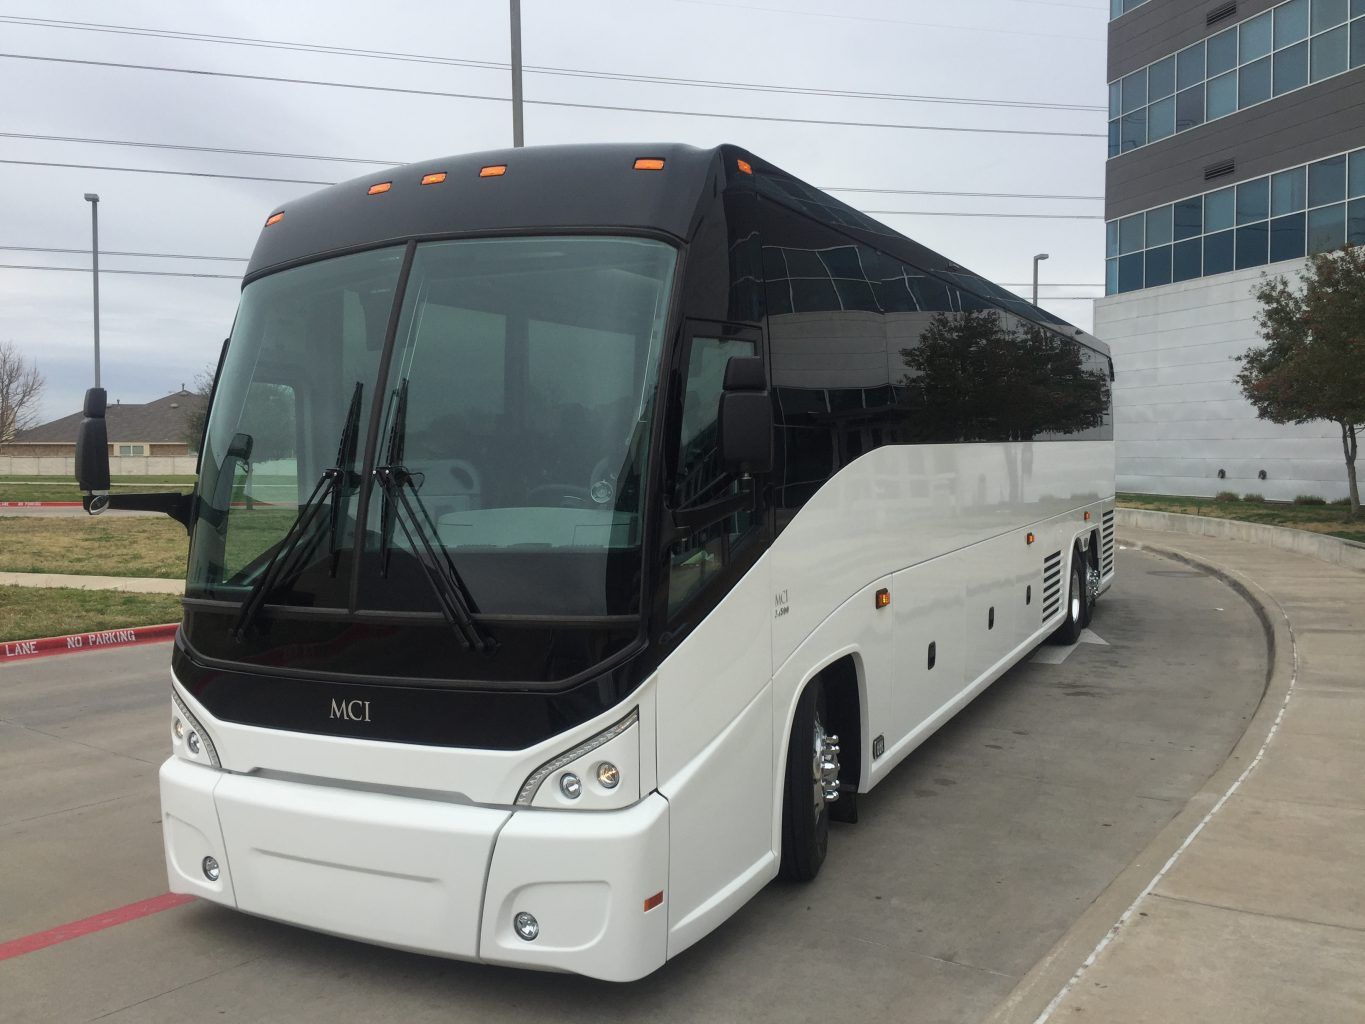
[{"x": 969, "y": 863}]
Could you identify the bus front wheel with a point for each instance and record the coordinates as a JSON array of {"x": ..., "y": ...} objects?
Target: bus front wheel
[{"x": 812, "y": 762}]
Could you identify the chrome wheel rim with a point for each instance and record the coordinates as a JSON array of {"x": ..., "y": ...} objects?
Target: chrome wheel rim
[{"x": 824, "y": 768}]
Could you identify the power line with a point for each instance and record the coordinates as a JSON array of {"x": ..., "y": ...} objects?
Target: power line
[
  {"x": 158, "y": 170},
  {"x": 1011, "y": 216},
  {"x": 237, "y": 277},
  {"x": 116, "y": 252},
  {"x": 243, "y": 259},
  {"x": 728, "y": 4},
  {"x": 775, "y": 119},
  {"x": 304, "y": 181},
  {"x": 419, "y": 58},
  {"x": 141, "y": 273},
  {"x": 199, "y": 149},
  {"x": 926, "y": 192},
  {"x": 394, "y": 163}
]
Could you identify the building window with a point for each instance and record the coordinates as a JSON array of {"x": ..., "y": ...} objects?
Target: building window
[
  {"x": 1283, "y": 49},
  {"x": 1287, "y": 215},
  {"x": 132, "y": 450},
  {"x": 1118, "y": 7}
]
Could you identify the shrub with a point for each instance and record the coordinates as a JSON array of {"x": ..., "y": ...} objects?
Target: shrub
[
  {"x": 1309, "y": 499},
  {"x": 1225, "y": 496},
  {"x": 1342, "y": 501},
  {"x": 1256, "y": 498}
]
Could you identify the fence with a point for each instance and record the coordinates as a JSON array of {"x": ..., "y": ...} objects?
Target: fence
[{"x": 65, "y": 466}]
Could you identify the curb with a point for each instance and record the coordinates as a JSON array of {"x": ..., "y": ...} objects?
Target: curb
[
  {"x": 1335, "y": 550},
  {"x": 40, "y": 504},
  {"x": 1034, "y": 997},
  {"x": 20, "y": 650}
]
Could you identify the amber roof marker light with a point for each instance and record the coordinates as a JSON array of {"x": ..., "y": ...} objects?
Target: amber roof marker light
[
  {"x": 649, "y": 163},
  {"x": 493, "y": 171},
  {"x": 380, "y": 188},
  {"x": 274, "y": 218},
  {"x": 744, "y": 167},
  {"x": 434, "y": 179}
]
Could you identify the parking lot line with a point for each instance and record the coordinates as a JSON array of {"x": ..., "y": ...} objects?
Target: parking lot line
[{"x": 88, "y": 925}]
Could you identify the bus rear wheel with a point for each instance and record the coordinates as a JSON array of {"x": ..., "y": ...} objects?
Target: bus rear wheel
[
  {"x": 812, "y": 775},
  {"x": 1077, "y": 602}
]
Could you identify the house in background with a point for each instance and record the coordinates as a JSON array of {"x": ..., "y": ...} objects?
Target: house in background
[{"x": 159, "y": 429}]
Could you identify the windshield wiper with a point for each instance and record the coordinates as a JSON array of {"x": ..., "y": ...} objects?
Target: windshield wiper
[
  {"x": 292, "y": 554},
  {"x": 403, "y": 505}
]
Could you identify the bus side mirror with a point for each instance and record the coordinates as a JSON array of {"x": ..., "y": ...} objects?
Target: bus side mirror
[
  {"x": 92, "y": 445},
  {"x": 746, "y": 417}
]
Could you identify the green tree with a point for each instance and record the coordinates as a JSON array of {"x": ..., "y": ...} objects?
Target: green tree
[
  {"x": 1312, "y": 365},
  {"x": 194, "y": 422}
]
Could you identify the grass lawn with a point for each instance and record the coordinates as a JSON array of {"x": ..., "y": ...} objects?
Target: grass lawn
[
  {"x": 60, "y": 488},
  {"x": 27, "y": 613},
  {"x": 1329, "y": 519},
  {"x": 94, "y": 546}
]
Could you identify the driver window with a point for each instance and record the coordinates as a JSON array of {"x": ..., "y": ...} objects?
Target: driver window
[{"x": 700, "y": 477}]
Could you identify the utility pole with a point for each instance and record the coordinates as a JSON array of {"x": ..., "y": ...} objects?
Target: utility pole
[
  {"x": 1036, "y": 260},
  {"x": 94, "y": 200},
  {"x": 517, "y": 139}
]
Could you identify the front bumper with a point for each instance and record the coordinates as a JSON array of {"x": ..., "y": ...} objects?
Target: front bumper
[{"x": 426, "y": 875}]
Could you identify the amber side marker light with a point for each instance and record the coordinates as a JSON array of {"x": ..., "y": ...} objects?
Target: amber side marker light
[
  {"x": 1087, "y": 517},
  {"x": 744, "y": 167},
  {"x": 434, "y": 179},
  {"x": 649, "y": 163},
  {"x": 883, "y": 598},
  {"x": 493, "y": 171},
  {"x": 274, "y": 218},
  {"x": 653, "y": 901},
  {"x": 1031, "y": 538},
  {"x": 380, "y": 188}
]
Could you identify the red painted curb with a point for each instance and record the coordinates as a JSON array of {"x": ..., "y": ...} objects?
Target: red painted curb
[
  {"x": 40, "y": 504},
  {"x": 97, "y": 923},
  {"x": 18, "y": 650}
]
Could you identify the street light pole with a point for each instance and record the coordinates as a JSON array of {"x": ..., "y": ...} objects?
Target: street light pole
[
  {"x": 517, "y": 139},
  {"x": 1036, "y": 260},
  {"x": 94, "y": 200}
]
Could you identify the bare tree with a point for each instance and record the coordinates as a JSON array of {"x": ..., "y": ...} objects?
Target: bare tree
[{"x": 21, "y": 385}]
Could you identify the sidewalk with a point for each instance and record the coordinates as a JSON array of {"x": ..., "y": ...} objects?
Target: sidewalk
[
  {"x": 129, "y": 584},
  {"x": 1255, "y": 910}
]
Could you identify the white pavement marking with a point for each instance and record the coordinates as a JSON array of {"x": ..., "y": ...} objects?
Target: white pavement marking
[
  {"x": 1113, "y": 932},
  {"x": 1049, "y": 654}
]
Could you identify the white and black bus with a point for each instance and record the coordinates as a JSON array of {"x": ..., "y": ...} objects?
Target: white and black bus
[{"x": 579, "y": 529}]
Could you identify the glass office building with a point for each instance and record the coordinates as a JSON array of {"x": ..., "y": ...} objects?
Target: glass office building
[{"x": 1236, "y": 149}]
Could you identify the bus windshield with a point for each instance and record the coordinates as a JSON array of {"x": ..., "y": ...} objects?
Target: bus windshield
[{"x": 517, "y": 400}]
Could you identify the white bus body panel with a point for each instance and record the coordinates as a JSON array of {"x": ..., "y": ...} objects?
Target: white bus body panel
[{"x": 419, "y": 847}]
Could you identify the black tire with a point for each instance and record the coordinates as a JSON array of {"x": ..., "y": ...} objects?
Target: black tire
[
  {"x": 1089, "y": 603},
  {"x": 1077, "y": 599},
  {"x": 805, "y": 819}
]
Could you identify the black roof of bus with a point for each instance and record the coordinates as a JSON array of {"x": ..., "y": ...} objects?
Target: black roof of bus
[{"x": 592, "y": 186}]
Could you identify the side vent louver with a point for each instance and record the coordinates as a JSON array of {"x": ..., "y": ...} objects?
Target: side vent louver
[
  {"x": 1220, "y": 13},
  {"x": 1219, "y": 170},
  {"x": 1107, "y": 544},
  {"x": 1052, "y": 584}
]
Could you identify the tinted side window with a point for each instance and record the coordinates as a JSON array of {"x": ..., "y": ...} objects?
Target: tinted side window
[
  {"x": 827, "y": 342},
  {"x": 701, "y": 477},
  {"x": 965, "y": 374}
]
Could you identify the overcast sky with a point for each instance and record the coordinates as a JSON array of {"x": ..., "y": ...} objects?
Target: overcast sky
[{"x": 159, "y": 331}]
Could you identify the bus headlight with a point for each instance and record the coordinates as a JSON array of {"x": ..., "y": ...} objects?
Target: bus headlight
[
  {"x": 600, "y": 773},
  {"x": 189, "y": 740}
]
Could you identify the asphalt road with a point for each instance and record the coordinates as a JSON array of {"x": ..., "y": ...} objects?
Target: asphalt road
[{"x": 969, "y": 863}]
